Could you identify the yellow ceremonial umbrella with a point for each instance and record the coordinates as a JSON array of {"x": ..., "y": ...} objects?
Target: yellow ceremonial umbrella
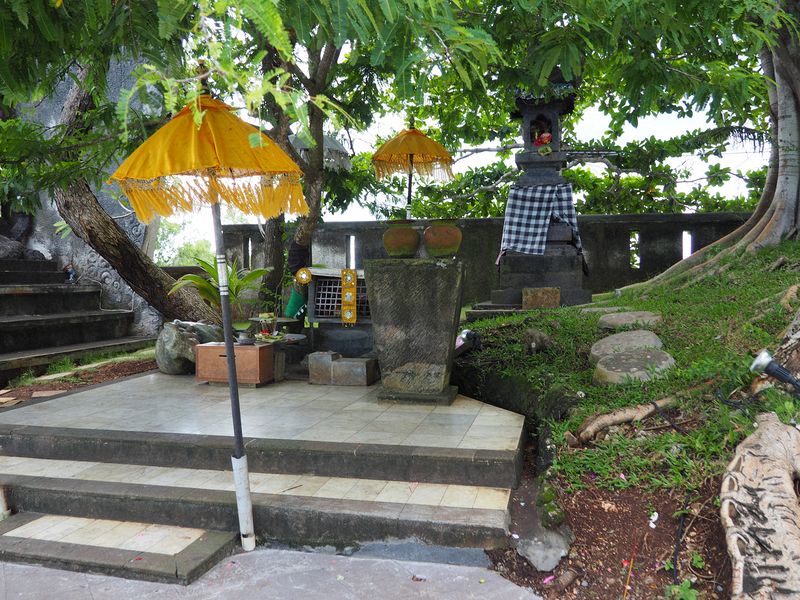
[
  {"x": 409, "y": 151},
  {"x": 223, "y": 159}
]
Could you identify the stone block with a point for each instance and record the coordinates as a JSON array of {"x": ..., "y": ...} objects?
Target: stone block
[
  {"x": 415, "y": 305},
  {"x": 354, "y": 371},
  {"x": 541, "y": 297},
  {"x": 320, "y": 367}
]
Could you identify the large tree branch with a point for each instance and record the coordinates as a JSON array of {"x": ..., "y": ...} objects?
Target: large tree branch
[
  {"x": 330, "y": 55},
  {"x": 80, "y": 209}
]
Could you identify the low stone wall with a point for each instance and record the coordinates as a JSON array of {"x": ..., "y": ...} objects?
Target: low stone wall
[{"x": 607, "y": 243}]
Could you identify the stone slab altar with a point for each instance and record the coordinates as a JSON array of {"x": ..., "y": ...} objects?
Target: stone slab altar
[{"x": 415, "y": 304}]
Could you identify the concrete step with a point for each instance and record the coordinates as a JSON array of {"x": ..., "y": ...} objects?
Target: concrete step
[
  {"x": 492, "y": 468},
  {"x": 288, "y": 508},
  {"x": 39, "y": 299},
  {"x": 26, "y": 332},
  {"x": 13, "y": 363},
  {"x": 134, "y": 550},
  {"x": 31, "y": 277},
  {"x": 9, "y": 264}
]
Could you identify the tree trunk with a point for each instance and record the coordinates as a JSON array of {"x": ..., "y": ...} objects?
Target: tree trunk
[
  {"x": 776, "y": 217},
  {"x": 760, "y": 513},
  {"x": 273, "y": 257},
  {"x": 82, "y": 212}
]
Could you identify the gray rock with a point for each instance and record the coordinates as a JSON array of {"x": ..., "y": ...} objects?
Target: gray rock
[
  {"x": 620, "y": 342},
  {"x": 639, "y": 365},
  {"x": 176, "y": 342},
  {"x": 29, "y": 254},
  {"x": 546, "y": 547},
  {"x": 536, "y": 341},
  {"x": 10, "y": 249},
  {"x": 624, "y": 320}
]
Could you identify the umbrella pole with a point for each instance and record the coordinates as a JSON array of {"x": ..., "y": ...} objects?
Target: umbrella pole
[
  {"x": 410, "y": 173},
  {"x": 241, "y": 476}
]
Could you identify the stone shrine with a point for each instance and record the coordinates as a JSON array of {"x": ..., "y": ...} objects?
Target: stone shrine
[{"x": 541, "y": 245}]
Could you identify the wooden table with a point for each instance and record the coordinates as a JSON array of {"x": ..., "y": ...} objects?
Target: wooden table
[{"x": 253, "y": 363}]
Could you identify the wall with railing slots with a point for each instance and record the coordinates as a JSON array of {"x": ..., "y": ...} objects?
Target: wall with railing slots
[{"x": 619, "y": 249}]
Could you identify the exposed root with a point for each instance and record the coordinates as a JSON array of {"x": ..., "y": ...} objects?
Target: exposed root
[
  {"x": 760, "y": 512},
  {"x": 596, "y": 423},
  {"x": 781, "y": 261},
  {"x": 788, "y": 297}
]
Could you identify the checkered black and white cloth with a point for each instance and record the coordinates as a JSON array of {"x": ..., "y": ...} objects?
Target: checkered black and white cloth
[{"x": 529, "y": 212}]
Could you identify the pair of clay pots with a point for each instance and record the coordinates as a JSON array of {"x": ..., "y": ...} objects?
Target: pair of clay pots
[{"x": 442, "y": 238}]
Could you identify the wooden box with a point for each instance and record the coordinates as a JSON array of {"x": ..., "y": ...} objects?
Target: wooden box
[{"x": 253, "y": 363}]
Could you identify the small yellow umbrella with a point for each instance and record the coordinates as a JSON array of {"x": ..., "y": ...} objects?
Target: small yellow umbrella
[
  {"x": 409, "y": 151},
  {"x": 226, "y": 160}
]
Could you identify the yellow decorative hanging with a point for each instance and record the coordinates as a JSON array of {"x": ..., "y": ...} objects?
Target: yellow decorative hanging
[
  {"x": 303, "y": 276},
  {"x": 225, "y": 159},
  {"x": 349, "y": 282}
]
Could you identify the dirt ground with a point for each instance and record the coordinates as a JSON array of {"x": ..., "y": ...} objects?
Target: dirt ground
[
  {"x": 616, "y": 554},
  {"x": 85, "y": 378}
]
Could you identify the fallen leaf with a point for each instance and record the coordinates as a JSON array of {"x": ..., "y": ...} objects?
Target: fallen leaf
[{"x": 415, "y": 578}]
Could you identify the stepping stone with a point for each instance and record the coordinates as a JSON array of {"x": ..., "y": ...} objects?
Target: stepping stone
[
  {"x": 621, "y": 342},
  {"x": 638, "y": 365},
  {"x": 604, "y": 309},
  {"x": 623, "y": 320}
]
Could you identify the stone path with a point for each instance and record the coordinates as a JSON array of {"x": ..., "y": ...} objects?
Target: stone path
[
  {"x": 629, "y": 355},
  {"x": 624, "y": 320},
  {"x": 622, "y": 342}
]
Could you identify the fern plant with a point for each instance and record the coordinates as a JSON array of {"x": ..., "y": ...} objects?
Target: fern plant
[{"x": 240, "y": 281}]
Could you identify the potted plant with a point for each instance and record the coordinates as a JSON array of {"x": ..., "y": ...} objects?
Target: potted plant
[{"x": 240, "y": 282}]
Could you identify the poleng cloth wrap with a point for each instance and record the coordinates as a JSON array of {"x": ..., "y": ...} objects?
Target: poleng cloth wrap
[{"x": 529, "y": 212}]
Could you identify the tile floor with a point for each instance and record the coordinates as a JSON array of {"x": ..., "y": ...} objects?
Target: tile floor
[
  {"x": 287, "y": 410},
  {"x": 370, "y": 490},
  {"x": 105, "y": 533}
]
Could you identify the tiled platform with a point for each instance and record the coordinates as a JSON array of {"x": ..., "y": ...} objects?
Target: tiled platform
[
  {"x": 288, "y": 410},
  {"x": 328, "y": 465}
]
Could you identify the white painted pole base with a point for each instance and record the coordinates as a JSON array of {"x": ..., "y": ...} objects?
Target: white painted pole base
[
  {"x": 241, "y": 479},
  {"x": 5, "y": 512}
]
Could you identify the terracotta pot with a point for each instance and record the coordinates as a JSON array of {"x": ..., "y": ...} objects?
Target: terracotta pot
[
  {"x": 401, "y": 240},
  {"x": 442, "y": 238}
]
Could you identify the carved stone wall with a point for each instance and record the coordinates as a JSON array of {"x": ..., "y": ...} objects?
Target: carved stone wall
[{"x": 90, "y": 266}]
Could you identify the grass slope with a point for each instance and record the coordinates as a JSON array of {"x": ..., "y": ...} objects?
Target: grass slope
[{"x": 712, "y": 328}]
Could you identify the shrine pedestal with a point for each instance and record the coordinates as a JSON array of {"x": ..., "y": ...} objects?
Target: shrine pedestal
[
  {"x": 559, "y": 267},
  {"x": 415, "y": 306}
]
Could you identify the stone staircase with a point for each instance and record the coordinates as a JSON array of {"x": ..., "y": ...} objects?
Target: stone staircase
[
  {"x": 92, "y": 456},
  {"x": 43, "y": 319}
]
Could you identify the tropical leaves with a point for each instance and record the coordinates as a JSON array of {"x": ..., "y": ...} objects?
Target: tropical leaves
[{"x": 239, "y": 283}]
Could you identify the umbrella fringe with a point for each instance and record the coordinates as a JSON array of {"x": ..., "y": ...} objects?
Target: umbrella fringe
[
  {"x": 435, "y": 168},
  {"x": 267, "y": 196}
]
